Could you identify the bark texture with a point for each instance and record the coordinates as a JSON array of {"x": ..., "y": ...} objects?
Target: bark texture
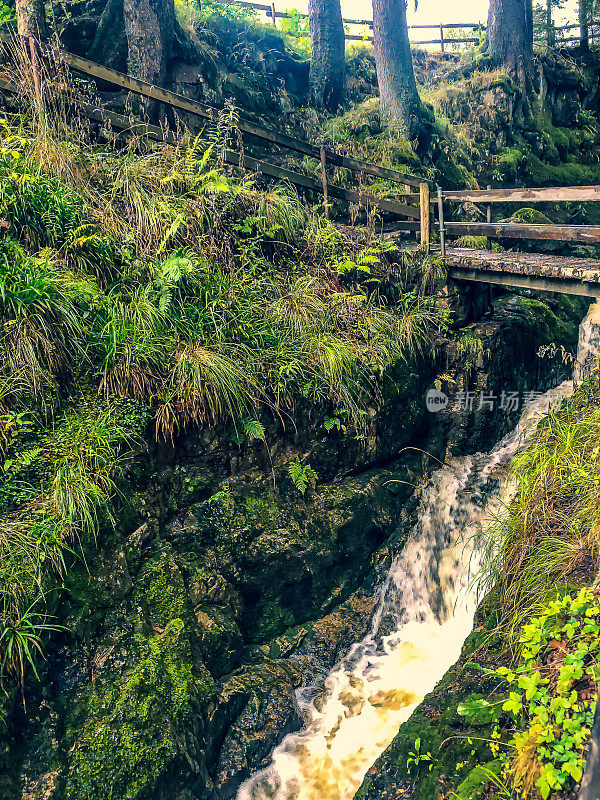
[
  {"x": 400, "y": 103},
  {"x": 149, "y": 27},
  {"x": 110, "y": 43},
  {"x": 584, "y": 21},
  {"x": 31, "y": 19},
  {"x": 510, "y": 35},
  {"x": 328, "y": 63}
]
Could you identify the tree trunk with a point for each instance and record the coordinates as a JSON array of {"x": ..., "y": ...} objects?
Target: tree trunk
[
  {"x": 510, "y": 36},
  {"x": 149, "y": 27},
  {"x": 400, "y": 103},
  {"x": 584, "y": 20},
  {"x": 529, "y": 24},
  {"x": 549, "y": 26},
  {"x": 328, "y": 62},
  {"x": 31, "y": 19},
  {"x": 110, "y": 43}
]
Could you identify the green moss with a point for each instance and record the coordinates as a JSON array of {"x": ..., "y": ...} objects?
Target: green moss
[
  {"x": 568, "y": 174},
  {"x": 133, "y": 723},
  {"x": 160, "y": 589},
  {"x": 531, "y": 216},
  {"x": 261, "y": 510},
  {"x": 509, "y": 161}
]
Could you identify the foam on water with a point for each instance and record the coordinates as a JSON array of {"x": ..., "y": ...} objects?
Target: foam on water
[{"x": 423, "y": 615}]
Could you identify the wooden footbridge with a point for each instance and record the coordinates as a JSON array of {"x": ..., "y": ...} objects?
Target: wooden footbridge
[{"x": 416, "y": 210}]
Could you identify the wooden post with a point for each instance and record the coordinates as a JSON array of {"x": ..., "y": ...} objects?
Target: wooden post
[
  {"x": 35, "y": 68},
  {"x": 273, "y": 18},
  {"x": 440, "y": 195},
  {"x": 425, "y": 217},
  {"x": 488, "y": 217},
  {"x": 324, "y": 180},
  {"x": 442, "y": 35}
]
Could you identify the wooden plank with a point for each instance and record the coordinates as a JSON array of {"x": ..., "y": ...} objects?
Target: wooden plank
[
  {"x": 253, "y": 164},
  {"x": 207, "y": 112},
  {"x": 538, "y": 283},
  {"x": 549, "y": 194},
  {"x": 401, "y": 226},
  {"x": 425, "y": 217},
  {"x": 587, "y": 234}
]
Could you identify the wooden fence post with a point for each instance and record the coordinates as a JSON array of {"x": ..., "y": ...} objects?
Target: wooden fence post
[
  {"x": 440, "y": 195},
  {"x": 273, "y": 18},
  {"x": 424, "y": 201},
  {"x": 442, "y": 35},
  {"x": 488, "y": 217},
  {"x": 324, "y": 180}
]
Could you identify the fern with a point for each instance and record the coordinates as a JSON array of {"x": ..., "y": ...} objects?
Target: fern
[
  {"x": 301, "y": 476},
  {"x": 254, "y": 430}
]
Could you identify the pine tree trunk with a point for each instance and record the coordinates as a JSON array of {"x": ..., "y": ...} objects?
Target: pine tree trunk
[
  {"x": 328, "y": 61},
  {"x": 510, "y": 36},
  {"x": 529, "y": 23},
  {"x": 400, "y": 103},
  {"x": 31, "y": 19},
  {"x": 110, "y": 43},
  {"x": 549, "y": 26},
  {"x": 149, "y": 27},
  {"x": 584, "y": 19}
]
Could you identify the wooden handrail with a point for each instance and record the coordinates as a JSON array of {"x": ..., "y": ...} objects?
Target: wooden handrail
[
  {"x": 551, "y": 194},
  {"x": 584, "y": 234},
  {"x": 127, "y": 124},
  {"x": 150, "y": 91}
]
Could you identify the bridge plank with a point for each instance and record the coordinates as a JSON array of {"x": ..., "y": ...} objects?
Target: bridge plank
[
  {"x": 539, "y": 271},
  {"x": 532, "y": 195},
  {"x": 587, "y": 234}
]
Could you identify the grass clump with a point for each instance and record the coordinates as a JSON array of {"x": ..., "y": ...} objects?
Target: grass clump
[
  {"x": 155, "y": 284},
  {"x": 551, "y": 534}
]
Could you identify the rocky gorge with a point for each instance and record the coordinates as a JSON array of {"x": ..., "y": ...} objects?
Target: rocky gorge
[{"x": 190, "y": 633}]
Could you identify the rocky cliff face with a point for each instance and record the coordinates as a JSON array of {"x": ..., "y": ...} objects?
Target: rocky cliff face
[{"x": 227, "y": 589}]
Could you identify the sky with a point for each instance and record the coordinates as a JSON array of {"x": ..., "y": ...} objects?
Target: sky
[{"x": 429, "y": 12}]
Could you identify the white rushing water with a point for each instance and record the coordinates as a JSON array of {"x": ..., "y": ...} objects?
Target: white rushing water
[{"x": 424, "y": 613}]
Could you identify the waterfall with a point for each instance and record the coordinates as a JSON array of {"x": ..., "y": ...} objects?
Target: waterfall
[
  {"x": 589, "y": 343},
  {"x": 423, "y": 615}
]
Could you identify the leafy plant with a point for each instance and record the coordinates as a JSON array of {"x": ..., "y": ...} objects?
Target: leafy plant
[
  {"x": 20, "y": 642},
  {"x": 417, "y": 759},
  {"x": 477, "y": 710},
  {"x": 302, "y": 476},
  {"x": 361, "y": 264},
  {"x": 552, "y": 695}
]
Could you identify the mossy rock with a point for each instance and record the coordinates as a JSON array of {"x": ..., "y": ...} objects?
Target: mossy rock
[{"x": 128, "y": 731}]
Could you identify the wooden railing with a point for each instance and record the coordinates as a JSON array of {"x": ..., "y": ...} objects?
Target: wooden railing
[
  {"x": 443, "y": 40},
  {"x": 412, "y": 203},
  {"x": 582, "y": 234},
  {"x": 273, "y": 14}
]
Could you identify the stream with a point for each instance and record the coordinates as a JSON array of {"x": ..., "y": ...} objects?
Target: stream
[{"x": 424, "y": 613}]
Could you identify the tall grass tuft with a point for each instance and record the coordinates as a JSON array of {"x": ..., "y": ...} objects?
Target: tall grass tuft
[{"x": 550, "y": 536}]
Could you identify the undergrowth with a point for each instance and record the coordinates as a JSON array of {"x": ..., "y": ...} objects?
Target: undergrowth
[
  {"x": 542, "y": 565},
  {"x": 152, "y": 287}
]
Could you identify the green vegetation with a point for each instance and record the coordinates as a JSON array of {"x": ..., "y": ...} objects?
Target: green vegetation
[
  {"x": 151, "y": 287},
  {"x": 127, "y": 729},
  {"x": 550, "y": 535},
  {"x": 552, "y": 695}
]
